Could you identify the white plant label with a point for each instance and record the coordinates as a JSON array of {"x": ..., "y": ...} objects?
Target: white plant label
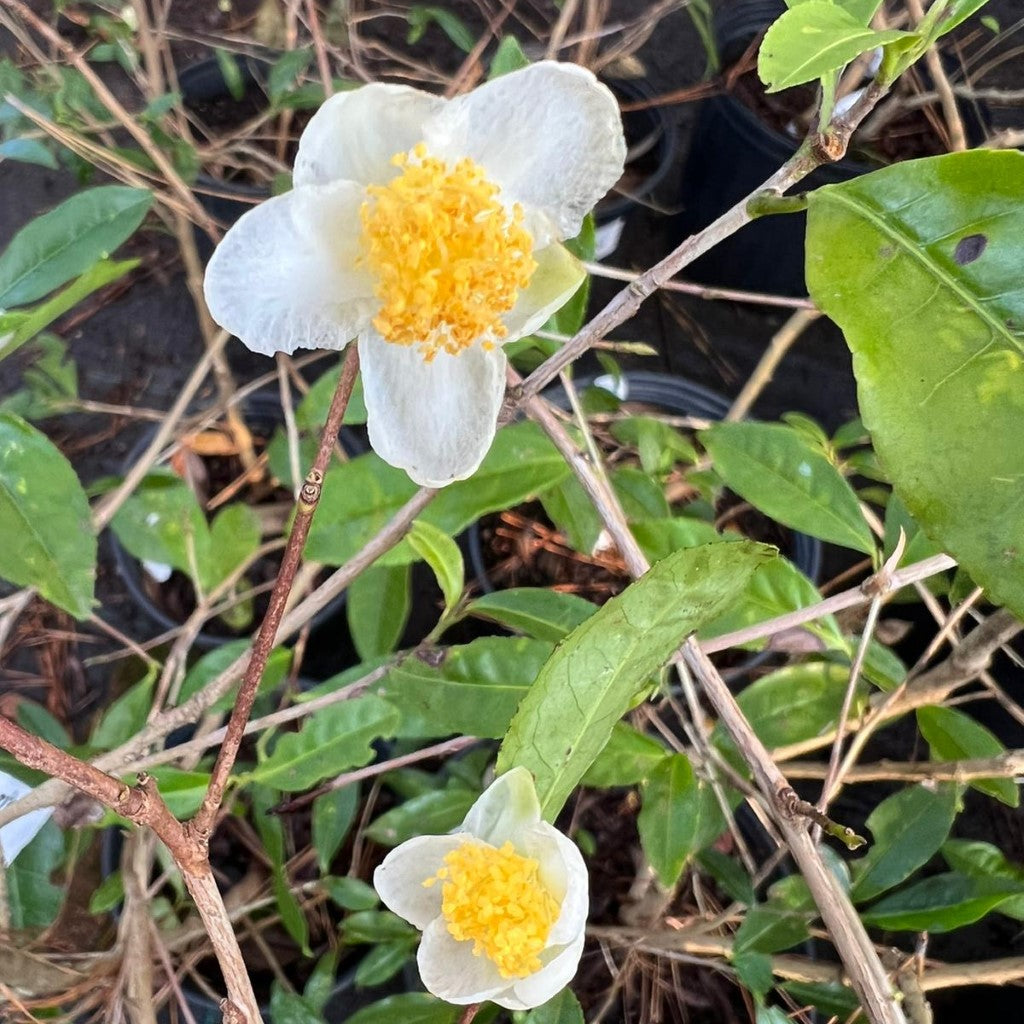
[{"x": 16, "y": 835}]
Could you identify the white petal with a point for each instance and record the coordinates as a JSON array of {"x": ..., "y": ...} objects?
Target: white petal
[
  {"x": 506, "y": 808},
  {"x": 399, "y": 879},
  {"x": 354, "y": 135},
  {"x": 548, "y": 981},
  {"x": 284, "y": 277},
  {"x": 434, "y": 420},
  {"x": 550, "y": 134},
  {"x": 552, "y": 285},
  {"x": 564, "y": 872},
  {"x": 450, "y": 971}
]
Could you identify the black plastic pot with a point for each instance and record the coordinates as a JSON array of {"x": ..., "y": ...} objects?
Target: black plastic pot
[
  {"x": 651, "y": 138},
  {"x": 677, "y": 397},
  {"x": 262, "y": 412},
  {"x": 732, "y": 152},
  {"x": 203, "y": 83}
]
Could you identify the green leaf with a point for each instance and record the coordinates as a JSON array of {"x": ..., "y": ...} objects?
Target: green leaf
[
  {"x": 330, "y": 741},
  {"x": 288, "y": 1008},
  {"x": 351, "y": 893},
  {"x": 68, "y": 240},
  {"x": 32, "y": 898},
  {"x": 561, "y": 1009},
  {"x": 475, "y": 690},
  {"x": 212, "y": 664},
  {"x": 834, "y": 1000},
  {"x": 286, "y": 70},
  {"x": 670, "y": 816},
  {"x": 127, "y": 715},
  {"x": 34, "y": 718},
  {"x": 377, "y": 609},
  {"x": 360, "y": 496},
  {"x": 780, "y": 472},
  {"x": 954, "y": 736},
  {"x": 942, "y": 903},
  {"x": 411, "y": 1008},
  {"x": 728, "y": 873},
  {"x": 234, "y": 538},
  {"x": 754, "y": 971},
  {"x": 421, "y": 15},
  {"x": 443, "y": 556},
  {"x": 813, "y": 39},
  {"x": 50, "y": 380},
  {"x": 429, "y": 814},
  {"x": 980, "y": 860},
  {"x": 30, "y": 151},
  {"x": 333, "y": 815},
  {"x": 537, "y": 612},
  {"x": 376, "y": 926},
  {"x": 776, "y": 588},
  {"x": 627, "y": 758},
  {"x": 659, "y": 538},
  {"x": 795, "y": 703},
  {"x": 383, "y": 962},
  {"x": 18, "y": 327},
  {"x": 907, "y": 828},
  {"x": 507, "y": 57},
  {"x": 108, "y": 894},
  {"x": 768, "y": 929},
  {"x": 940, "y": 382},
  {"x": 592, "y": 678},
  {"x": 44, "y": 517},
  {"x": 230, "y": 72}
]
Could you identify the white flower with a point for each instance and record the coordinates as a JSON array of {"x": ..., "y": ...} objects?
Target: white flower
[
  {"x": 502, "y": 902},
  {"x": 427, "y": 229}
]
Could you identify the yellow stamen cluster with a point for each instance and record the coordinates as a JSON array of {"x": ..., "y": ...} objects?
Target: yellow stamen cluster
[
  {"x": 448, "y": 258},
  {"x": 495, "y": 898}
]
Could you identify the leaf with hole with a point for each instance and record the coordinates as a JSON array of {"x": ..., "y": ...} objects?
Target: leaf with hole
[{"x": 928, "y": 291}]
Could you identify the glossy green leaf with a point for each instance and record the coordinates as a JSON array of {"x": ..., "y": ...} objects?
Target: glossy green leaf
[
  {"x": 833, "y": 1000},
  {"x": 182, "y": 791},
  {"x": 627, "y": 758},
  {"x": 126, "y": 715},
  {"x": 271, "y": 831},
  {"x": 49, "y": 381},
  {"x": 942, "y": 903},
  {"x": 788, "y": 478},
  {"x": 49, "y": 542},
  {"x": 432, "y": 813},
  {"x": 776, "y": 588},
  {"x": 927, "y": 289},
  {"x": 377, "y": 608},
  {"x": 360, "y": 496},
  {"x": 443, "y": 556},
  {"x": 285, "y": 71},
  {"x": 411, "y": 1008},
  {"x": 68, "y": 240},
  {"x": 34, "y": 718},
  {"x": 214, "y": 662},
  {"x": 980, "y": 860},
  {"x": 954, "y": 736},
  {"x": 813, "y": 39},
  {"x": 108, "y": 894},
  {"x": 658, "y": 538},
  {"x": 595, "y": 674},
  {"x": 376, "y": 926},
  {"x": 907, "y": 830},
  {"x": 334, "y": 813},
  {"x": 234, "y": 536},
  {"x": 331, "y": 741},
  {"x": 420, "y": 16},
  {"x": 384, "y": 961},
  {"x": 670, "y": 817},
  {"x": 507, "y": 57},
  {"x": 539, "y": 613},
  {"x": 475, "y": 690},
  {"x": 795, "y": 703},
  {"x": 30, "y": 151},
  {"x": 728, "y": 873},
  {"x": 754, "y": 971},
  {"x": 561, "y": 1009},
  {"x": 33, "y": 899},
  {"x": 351, "y": 893},
  {"x": 24, "y": 324},
  {"x": 768, "y": 929}
]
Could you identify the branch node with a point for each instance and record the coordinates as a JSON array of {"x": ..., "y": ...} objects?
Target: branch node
[{"x": 309, "y": 496}]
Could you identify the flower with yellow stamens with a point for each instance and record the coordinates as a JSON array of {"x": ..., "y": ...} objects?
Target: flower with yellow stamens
[
  {"x": 502, "y": 901},
  {"x": 429, "y": 231}
]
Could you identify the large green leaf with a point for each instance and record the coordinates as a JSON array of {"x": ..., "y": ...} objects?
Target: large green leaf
[
  {"x": 48, "y": 539},
  {"x": 954, "y": 736},
  {"x": 927, "y": 288},
  {"x": 33, "y": 900},
  {"x": 67, "y": 241},
  {"x": 907, "y": 830},
  {"x": 812, "y": 39},
  {"x": 330, "y": 741},
  {"x": 377, "y": 609},
  {"x": 475, "y": 690},
  {"x": 535, "y": 611},
  {"x": 942, "y": 903},
  {"x": 411, "y": 1008},
  {"x": 596, "y": 673},
  {"x": 785, "y": 475},
  {"x": 561, "y": 1009}
]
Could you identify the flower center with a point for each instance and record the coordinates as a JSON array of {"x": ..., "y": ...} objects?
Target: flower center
[
  {"x": 448, "y": 258},
  {"x": 495, "y": 898}
]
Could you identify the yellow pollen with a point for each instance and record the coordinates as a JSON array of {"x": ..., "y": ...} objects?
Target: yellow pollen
[
  {"x": 495, "y": 898},
  {"x": 448, "y": 258}
]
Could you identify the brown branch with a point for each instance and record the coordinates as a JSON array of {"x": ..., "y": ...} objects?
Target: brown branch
[{"x": 202, "y": 824}]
